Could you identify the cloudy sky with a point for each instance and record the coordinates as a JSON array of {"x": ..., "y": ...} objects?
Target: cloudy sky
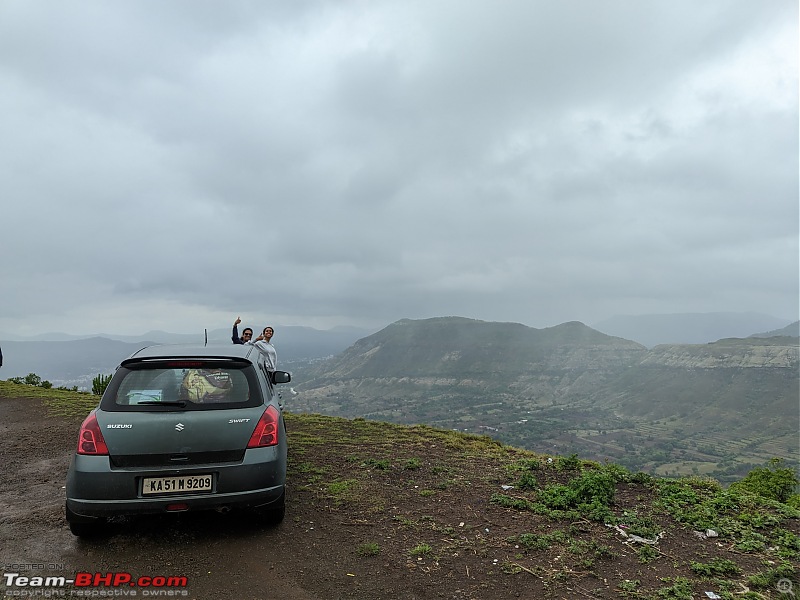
[{"x": 170, "y": 165}]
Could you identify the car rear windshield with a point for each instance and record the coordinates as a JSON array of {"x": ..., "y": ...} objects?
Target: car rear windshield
[{"x": 182, "y": 385}]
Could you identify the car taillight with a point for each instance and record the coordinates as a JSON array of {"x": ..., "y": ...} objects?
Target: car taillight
[
  {"x": 90, "y": 439},
  {"x": 266, "y": 432}
]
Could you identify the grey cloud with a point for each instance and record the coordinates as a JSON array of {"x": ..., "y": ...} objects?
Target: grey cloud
[{"x": 351, "y": 162}]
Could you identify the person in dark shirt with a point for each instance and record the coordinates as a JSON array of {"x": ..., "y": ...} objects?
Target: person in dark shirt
[{"x": 247, "y": 333}]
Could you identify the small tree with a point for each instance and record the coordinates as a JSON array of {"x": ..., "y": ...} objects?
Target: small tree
[
  {"x": 32, "y": 379},
  {"x": 99, "y": 384}
]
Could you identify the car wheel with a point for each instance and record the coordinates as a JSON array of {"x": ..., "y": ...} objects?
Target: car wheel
[
  {"x": 86, "y": 530},
  {"x": 83, "y": 528},
  {"x": 274, "y": 513}
]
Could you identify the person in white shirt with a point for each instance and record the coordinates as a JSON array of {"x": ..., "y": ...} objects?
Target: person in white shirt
[{"x": 268, "y": 355}]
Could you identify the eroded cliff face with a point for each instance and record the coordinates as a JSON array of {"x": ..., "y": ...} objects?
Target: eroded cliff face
[
  {"x": 727, "y": 354},
  {"x": 621, "y": 374},
  {"x": 594, "y": 357},
  {"x": 572, "y": 389}
]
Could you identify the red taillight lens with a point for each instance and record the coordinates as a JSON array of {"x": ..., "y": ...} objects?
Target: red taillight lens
[
  {"x": 266, "y": 432},
  {"x": 90, "y": 439}
]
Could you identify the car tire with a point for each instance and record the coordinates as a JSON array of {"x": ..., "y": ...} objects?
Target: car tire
[
  {"x": 82, "y": 527},
  {"x": 275, "y": 512},
  {"x": 85, "y": 530}
]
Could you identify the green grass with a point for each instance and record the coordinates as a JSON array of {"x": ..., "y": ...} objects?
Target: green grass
[
  {"x": 62, "y": 403},
  {"x": 540, "y": 541},
  {"x": 412, "y": 464},
  {"x": 715, "y": 568},
  {"x": 371, "y": 472},
  {"x": 368, "y": 549},
  {"x": 769, "y": 578},
  {"x": 420, "y": 550},
  {"x": 681, "y": 589},
  {"x": 343, "y": 490},
  {"x": 382, "y": 465}
]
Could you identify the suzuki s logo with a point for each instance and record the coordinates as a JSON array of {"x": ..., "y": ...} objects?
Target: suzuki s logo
[{"x": 179, "y": 427}]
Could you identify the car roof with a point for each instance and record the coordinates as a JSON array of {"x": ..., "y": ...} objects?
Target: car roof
[{"x": 195, "y": 351}]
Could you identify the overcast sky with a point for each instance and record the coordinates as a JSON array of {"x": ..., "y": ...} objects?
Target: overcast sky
[{"x": 171, "y": 165}]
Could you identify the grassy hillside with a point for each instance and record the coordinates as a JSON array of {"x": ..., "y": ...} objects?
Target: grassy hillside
[
  {"x": 438, "y": 513},
  {"x": 716, "y": 409},
  {"x": 455, "y": 346}
]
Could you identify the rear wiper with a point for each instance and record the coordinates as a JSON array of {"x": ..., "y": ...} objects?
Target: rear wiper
[{"x": 180, "y": 403}]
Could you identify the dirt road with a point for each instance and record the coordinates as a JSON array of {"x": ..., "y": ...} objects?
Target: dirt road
[{"x": 221, "y": 556}]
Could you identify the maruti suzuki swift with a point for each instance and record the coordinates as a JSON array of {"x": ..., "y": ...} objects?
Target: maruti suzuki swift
[{"x": 181, "y": 428}]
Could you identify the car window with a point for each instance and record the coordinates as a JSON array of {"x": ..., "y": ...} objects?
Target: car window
[{"x": 201, "y": 386}]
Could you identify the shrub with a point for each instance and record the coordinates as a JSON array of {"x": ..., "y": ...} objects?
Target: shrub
[
  {"x": 751, "y": 541},
  {"x": 641, "y": 478},
  {"x": 771, "y": 577},
  {"x": 617, "y": 472},
  {"x": 681, "y": 589},
  {"x": 643, "y": 526},
  {"x": 774, "y": 481},
  {"x": 788, "y": 543},
  {"x": 646, "y": 554},
  {"x": 717, "y": 567},
  {"x": 591, "y": 493},
  {"x": 527, "y": 481},
  {"x": 32, "y": 379},
  {"x": 535, "y": 541},
  {"x": 568, "y": 463},
  {"x": 558, "y": 496},
  {"x": 593, "y": 487}
]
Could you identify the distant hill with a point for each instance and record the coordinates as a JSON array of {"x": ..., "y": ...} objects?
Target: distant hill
[
  {"x": 688, "y": 328},
  {"x": 68, "y": 363},
  {"x": 74, "y": 362},
  {"x": 715, "y": 408},
  {"x": 463, "y": 373},
  {"x": 443, "y": 352},
  {"x": 791, "y": 330}
]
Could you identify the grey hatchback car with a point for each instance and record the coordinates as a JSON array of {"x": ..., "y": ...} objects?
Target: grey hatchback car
[{"x": 181, "y": 428}]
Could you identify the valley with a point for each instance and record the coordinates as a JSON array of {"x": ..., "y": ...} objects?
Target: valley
[{"x": 714, "y": 409}]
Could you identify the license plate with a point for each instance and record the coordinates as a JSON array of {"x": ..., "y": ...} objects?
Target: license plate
[{"x": 176, "y": 485}]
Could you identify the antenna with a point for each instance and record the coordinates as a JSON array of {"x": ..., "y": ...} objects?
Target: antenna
[{"x": 206, "y": 332}]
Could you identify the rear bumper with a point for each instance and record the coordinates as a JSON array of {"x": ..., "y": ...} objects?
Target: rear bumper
[
  {"x": 92, "y": 509},
  {"x": 95, "y": 489}
]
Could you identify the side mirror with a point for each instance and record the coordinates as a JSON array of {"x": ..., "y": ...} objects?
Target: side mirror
[{"x": 279, "y": 377}]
